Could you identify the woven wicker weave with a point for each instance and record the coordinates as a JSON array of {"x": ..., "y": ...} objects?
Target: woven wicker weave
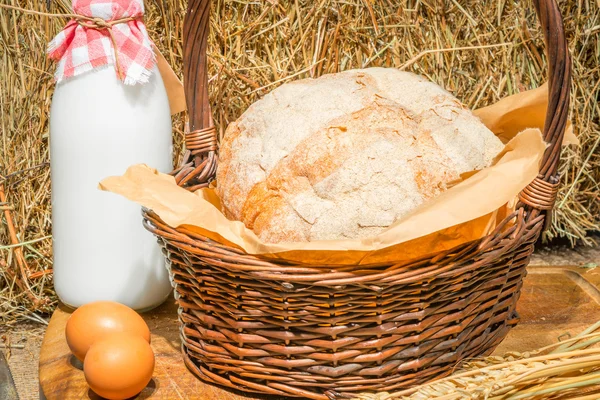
[{"x": 297, "y": 330}]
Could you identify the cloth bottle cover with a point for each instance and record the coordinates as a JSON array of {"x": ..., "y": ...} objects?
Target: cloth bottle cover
[{"x": 104, "y": 29}]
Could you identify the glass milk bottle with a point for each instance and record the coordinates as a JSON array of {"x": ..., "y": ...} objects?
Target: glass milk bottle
[{"x": 103, "y": 119}]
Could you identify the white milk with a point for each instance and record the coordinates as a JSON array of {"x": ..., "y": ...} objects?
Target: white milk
[{"x": 98, "y": 128}]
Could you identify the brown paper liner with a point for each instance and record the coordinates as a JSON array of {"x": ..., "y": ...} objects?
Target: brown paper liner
[
  {"x": 469, "y": 210},
  {"x": 173, "y": 84},
  {"x": 518, "y": 112}
]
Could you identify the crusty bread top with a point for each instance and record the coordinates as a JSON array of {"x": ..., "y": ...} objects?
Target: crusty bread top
[{"x": 345, "y": 155}]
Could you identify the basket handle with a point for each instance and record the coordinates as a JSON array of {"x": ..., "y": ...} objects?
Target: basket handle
[
  {"x": 199, "y": 164},
  {"x": 200, "y": 161},
  {"x": 541, "y": 193}
]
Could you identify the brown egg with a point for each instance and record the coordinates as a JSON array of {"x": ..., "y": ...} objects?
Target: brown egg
[
  {"x": 95, "y": 320},
  {"x": 119, "y": 366}
]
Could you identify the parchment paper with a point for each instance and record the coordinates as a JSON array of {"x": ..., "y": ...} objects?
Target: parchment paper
[
  {"x": 469, "y": 210},
  {"x": 513, "y": 114},
  {"x": 172, "y": 83}
]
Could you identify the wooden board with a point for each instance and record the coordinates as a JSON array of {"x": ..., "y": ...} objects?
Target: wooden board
[
  {"x": 61, "y": 374},
  {"x": 556, "y": 302}
]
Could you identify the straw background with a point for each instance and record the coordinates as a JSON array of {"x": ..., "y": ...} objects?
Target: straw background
[{"x": 258, "y": 45}]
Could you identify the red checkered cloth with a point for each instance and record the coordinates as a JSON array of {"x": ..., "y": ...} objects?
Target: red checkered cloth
[{"x": 105, "y": 27}]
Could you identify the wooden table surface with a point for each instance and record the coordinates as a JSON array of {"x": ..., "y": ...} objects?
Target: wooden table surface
[{"x": 556, "y": 302}]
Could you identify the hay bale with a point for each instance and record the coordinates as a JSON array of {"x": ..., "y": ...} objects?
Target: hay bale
[{"x": 257, "y": 46}]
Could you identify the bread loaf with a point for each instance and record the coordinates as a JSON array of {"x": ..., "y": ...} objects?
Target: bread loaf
[{"x": 346, "y": 155}]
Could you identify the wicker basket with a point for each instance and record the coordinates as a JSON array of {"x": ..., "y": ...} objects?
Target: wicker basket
[{"x": 297, "y": 330}]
